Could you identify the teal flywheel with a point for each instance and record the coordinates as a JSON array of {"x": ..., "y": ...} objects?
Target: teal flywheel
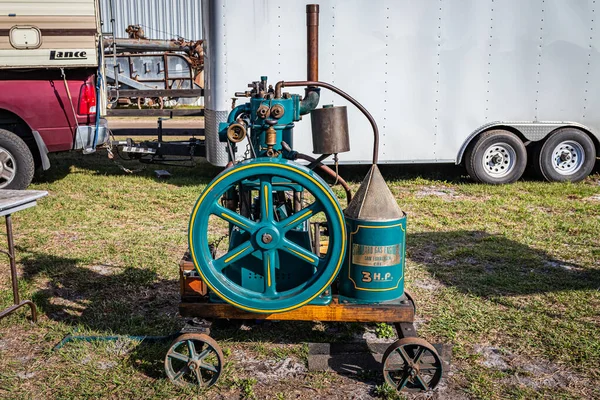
[{"x": 270, "y": 209}]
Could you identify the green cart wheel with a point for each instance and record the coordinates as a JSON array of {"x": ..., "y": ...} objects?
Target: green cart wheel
[
  {"x": 194, "y": 359},
  {"x": 411, "y": 365}
]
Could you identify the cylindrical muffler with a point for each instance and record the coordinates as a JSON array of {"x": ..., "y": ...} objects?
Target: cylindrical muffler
[{"x": 330, "y": 130}]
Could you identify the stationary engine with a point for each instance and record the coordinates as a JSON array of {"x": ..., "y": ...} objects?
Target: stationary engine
[{"x": 288, "y": 236}]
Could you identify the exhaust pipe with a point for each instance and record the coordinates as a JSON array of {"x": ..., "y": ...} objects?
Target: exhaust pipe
[{"x": 312, "y": 42}]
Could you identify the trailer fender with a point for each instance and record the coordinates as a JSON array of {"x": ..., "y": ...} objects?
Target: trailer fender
[{"x": 528, "y": 132}]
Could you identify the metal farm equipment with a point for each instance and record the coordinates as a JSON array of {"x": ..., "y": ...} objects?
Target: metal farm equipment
[
  {"x": 151, "y": 71},
  {"x": 291, "y": 252}
]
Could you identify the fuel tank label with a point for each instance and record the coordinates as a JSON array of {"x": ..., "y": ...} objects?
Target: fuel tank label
[{"x": 375, "y": 256}]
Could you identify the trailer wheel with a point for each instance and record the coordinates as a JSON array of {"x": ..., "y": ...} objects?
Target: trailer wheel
[
  {"x": 568, "y": 154},
  {"x": 496, "y": 157},
  {"x": 16, "y": 162}
]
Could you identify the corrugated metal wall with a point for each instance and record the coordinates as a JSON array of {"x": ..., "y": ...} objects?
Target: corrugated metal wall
[{"x": 161, "y": 19}]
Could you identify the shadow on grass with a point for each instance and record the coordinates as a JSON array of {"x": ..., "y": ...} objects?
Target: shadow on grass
[
  {"x": 134, "y": 301},
  {"x": 103, "y": 298},
  {"x": 492, "y": 265},
  {"x": 62, "y": 164}
]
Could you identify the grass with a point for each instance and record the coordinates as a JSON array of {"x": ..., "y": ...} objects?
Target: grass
[{"x": 507, "y": 275}]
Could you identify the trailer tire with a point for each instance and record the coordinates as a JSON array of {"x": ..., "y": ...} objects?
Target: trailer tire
[
  {"x": 496, "y": 157},
  {"x": 567, "y": 154},
  {"x": 16, "y": 162}
]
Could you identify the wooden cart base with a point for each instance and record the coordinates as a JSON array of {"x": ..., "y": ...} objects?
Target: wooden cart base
[
  {"x": 409, "y": 364},
  {"x": 335, "y": 311}
]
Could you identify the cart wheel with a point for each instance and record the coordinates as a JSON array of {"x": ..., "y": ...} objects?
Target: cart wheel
[
  {"x": 412, "y": 364},
  {"x": 410, "y": 298},
  {"x": 194, "y": 359}
]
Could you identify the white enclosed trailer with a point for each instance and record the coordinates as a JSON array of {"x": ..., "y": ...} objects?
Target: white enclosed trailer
[{"x": 448, "y": 81}]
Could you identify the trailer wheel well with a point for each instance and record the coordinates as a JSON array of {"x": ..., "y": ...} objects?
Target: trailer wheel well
[
  {"x": 15, "y": 124},
  {"x": 471, "y": 140}
]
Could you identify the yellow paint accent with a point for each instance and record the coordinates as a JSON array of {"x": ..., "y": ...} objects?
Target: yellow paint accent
[
  {"x": 237, "y": 254},
  {"x": 271, "y": 165},
  {"x": 230, "y": 218},
  {"x": 300, "y": 217},
  {"x": 312, "y": 260},
  {"x": 269, "y": 272},
  {"x": 350, "y": 258},
  {"x": 267, "y": 205}
]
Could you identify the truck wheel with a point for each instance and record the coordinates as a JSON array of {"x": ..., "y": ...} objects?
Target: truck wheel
[
  {"x": 496, "y": 157},
  {"x": 16, "y": 162},
  {"x": 568, "y": 154}
]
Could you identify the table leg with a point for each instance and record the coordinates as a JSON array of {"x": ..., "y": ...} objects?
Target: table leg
[{"x": 13, "y": 276}]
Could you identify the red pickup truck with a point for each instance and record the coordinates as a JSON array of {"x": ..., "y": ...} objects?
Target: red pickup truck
[
  {"x": 41, "y": 112},
  {"x": 49, "y": 61}
]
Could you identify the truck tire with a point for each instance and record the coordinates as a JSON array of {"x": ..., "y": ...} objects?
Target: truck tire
[
  {"x": 496, "y": 157},
  {"x": 16, "y": 162},
  {"x": 568, "y": 154}
]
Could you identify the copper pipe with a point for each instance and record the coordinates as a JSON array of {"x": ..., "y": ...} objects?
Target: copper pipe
[
  {"x": 346, "y": 96},
  {"x": 329, "y": 172},
  {"x": 312, "y": 42}
]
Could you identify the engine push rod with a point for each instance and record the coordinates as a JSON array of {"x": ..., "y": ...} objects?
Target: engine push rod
[{"x": 343, "y": 94}]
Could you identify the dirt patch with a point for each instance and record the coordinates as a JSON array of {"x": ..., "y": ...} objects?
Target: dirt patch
[
  {"x": 427, "y": 284},
  {"x": 492, "y": 357},
  {"x": 268, "y": 370},
  {"x": 530, "y": 372},
  {"x": 25, "y": 375},
  {"x": 561, "y": 265},
  {"x": 104, "y": 365},
  {"x": 438, "y": 191},
  {"x": 595, "y": 197},
  {"x": 106, "y": 270}
]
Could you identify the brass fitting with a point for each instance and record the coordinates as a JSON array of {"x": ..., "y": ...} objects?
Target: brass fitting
[
  {"x": 271, "y": 137},
  {"x": 236, "y": 132},
  {"x": 263, "y": 111},
  {"x": 277, "y": 111}
]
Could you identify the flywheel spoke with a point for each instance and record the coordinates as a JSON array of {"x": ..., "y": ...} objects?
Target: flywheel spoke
[
  {"x": 181, "y": 372},
  {"x": 209, "y": 367},
  {"x": 199, "y": 377},
  {"x": 404, "y": 356},
  {"x": 233, "y": 218},
  {"x": 269, "y": 264},
  {"x": 300, "y": 252},
  {"x": 204, "y": 354},
  {"x": 266, "y": 199},
  {"x": 191, "y": 349},
  {"x": 421, "y": 381},
  {"x": 418, "y": 355},
  {"x": 233, "y": 255},
  {"x": 299, "y": 217},
  {"x": 403, "y": 381},
  {"x": 178, "y": 356}
]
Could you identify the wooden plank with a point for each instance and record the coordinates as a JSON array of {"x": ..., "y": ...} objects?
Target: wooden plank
[
  {"x": 335, "y": 311},
  {"x": 134, "y": 112},
  {"x": 156, "y": 93}
]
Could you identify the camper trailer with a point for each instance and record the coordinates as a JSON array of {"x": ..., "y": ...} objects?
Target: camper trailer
[{"x": 50, "y": 81}]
